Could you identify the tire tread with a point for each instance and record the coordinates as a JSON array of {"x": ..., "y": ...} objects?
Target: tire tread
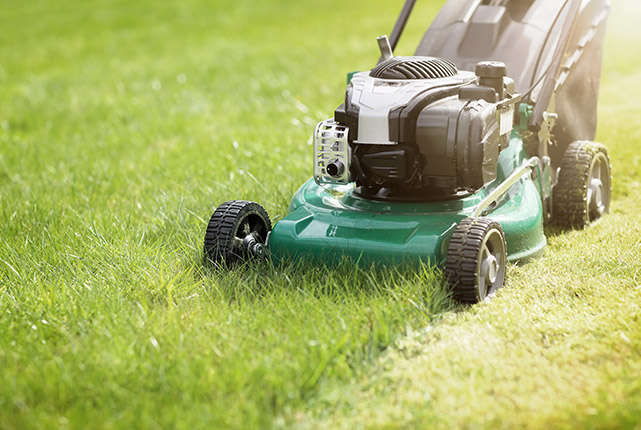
[
  {"x": 570, "y": 208},
  {"x": 463, "y": 255},
  {"x": 222, "y": 228}
]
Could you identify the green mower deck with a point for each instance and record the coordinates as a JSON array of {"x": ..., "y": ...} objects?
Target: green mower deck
[{"x": 326, "y": 223}]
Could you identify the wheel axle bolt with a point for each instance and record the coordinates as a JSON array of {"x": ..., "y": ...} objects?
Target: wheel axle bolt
[{"x": 259, "y": 250}]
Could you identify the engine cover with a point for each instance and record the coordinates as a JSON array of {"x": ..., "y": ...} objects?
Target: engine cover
[{"x": 425, "y": 135}]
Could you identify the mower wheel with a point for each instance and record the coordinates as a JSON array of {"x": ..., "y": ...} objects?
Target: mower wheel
[
  {"x": 237, "y": 231},
  {"x": 583, "y": 191},
  {"x": 476, "y": 259}
]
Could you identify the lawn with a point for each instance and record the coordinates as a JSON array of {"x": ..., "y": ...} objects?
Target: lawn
[{"x": 124, "y": 124}]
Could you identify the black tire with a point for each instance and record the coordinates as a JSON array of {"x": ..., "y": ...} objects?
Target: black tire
[
  {"x": 583, "y": 191},
  {"x": 476, "y": 259},
  {"x": 229, "y": 229}
]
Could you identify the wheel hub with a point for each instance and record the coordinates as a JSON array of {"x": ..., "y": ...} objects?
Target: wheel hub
[
  {"x": 490, "y": 269},
  {"x": 596, "y": 195}
]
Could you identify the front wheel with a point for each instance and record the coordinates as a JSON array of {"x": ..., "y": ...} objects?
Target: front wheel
[
  {"x": 476, "y": 259},
  {"x": 237, "y": 231}
]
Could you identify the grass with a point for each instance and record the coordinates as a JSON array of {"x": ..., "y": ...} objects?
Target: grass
[
  {"x": 122, "y": 125},
  {"x": 559, "y": 347}
]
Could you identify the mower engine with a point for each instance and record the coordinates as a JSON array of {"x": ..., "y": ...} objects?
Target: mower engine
[{"x": 417, "y": 128}]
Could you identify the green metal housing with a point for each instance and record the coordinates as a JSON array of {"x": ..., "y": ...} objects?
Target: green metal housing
[{"x": 328, "y": 223}]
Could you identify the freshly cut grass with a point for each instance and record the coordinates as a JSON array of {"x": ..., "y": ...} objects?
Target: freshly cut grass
[
  {"x": 558, "y": 347},
  {"x": 122, "y": 126}
]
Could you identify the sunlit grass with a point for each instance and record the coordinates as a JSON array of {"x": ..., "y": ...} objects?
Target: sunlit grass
[
  {"x": 122, "y": 126},
  {"x": 558, "y": 347}
]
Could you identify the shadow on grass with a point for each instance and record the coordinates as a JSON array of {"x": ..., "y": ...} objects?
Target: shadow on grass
[{"x": 555, "y": 231}]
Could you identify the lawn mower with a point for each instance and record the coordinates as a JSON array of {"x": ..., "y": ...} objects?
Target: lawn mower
[{"x": 456, "y": 156}]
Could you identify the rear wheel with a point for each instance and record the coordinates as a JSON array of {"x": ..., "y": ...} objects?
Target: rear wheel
[
  {"x": 583, "y": 191},
  {"x": 236, "y": 231},
  {"x": 476, "y": 259}
]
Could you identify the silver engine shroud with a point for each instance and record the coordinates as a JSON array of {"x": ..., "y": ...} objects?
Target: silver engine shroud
[{"x": 377, "y": 97}]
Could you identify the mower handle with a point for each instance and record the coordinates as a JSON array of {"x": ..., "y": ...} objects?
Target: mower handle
[{"x": 549, "y": 83}]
